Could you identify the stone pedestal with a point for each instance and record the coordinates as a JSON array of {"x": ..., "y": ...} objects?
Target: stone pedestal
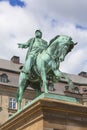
[{"x": 49, "y": 112}]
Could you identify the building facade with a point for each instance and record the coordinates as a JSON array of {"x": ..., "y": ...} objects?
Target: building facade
[{"x": 9, "y": 76}]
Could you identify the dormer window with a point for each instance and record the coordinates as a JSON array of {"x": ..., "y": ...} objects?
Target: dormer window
[
  {"x": 84, "y": 89},
  {"x": 51, "y": 86},
  {"x": 4, "y": 78}
]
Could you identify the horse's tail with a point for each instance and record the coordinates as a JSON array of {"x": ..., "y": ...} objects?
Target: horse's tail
[{"x": 17, "y": 95}]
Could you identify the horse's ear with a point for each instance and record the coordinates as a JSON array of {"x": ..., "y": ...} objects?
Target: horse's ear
[{"x": 76, "y": 43}]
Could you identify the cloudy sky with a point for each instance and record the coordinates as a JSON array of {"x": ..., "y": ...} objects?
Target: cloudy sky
[{"x": 20, "y": 18}]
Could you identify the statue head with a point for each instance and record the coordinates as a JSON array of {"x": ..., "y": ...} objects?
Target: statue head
[{"x": 38, "y": 34}]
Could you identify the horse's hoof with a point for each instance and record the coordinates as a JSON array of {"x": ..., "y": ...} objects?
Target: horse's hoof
[{"x": 46, "y": 91}]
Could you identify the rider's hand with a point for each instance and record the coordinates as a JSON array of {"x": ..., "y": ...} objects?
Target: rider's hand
[{"x": 20, "y": 45}]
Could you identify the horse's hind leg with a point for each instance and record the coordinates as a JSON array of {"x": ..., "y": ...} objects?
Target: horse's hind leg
[
  {"x": 38, "y": 90},
  {"x": 43, "y": 76},
  {"x": 22, "y": 85}
]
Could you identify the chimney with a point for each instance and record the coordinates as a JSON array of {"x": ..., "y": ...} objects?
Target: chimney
[
  {"x": 83, "y": 74},
  {"x": 15, "y": 59}
]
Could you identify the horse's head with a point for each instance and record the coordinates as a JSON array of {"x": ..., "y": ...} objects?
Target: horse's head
[
  {"x": 59, "y": 46},
  {"x": 63, "y": 39},
  {"x": 65, "y": 44}
]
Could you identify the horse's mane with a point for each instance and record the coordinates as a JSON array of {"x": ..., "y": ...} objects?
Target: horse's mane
[{"x": 52, "y": 40}]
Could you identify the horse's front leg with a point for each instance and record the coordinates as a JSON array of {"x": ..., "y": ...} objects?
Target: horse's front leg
[
  {"x": 70, "y": 83},
  {"x": 62, "y": 75}
]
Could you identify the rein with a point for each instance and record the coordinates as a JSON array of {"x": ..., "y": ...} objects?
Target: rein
[{"x": 53, "y": 58}]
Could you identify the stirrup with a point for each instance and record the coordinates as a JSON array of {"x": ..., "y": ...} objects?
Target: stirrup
[
  {"x": 27, "y": 74},
  {"x": 24, "y": 72}
]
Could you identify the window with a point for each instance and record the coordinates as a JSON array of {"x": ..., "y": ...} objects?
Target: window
[
  {"x": 76, "y": 89},
  {"x": 84, "y": 89},
  {"x": 12, "y": 103},
  {"x": 66, "y": 88},
  {"x": 51, "y": 86},
  {"x": 4, "y": 78}
]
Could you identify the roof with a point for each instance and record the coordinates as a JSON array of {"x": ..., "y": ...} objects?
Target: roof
[
  {"x": 78, "y": 79},
  {"x": 9, "y": 65},
  {"x": 13, "y": 67}
]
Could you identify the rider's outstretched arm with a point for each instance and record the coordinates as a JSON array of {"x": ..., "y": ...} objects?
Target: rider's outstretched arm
[{"x": 24, "y": 45}]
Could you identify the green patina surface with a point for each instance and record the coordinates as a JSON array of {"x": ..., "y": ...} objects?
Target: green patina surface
[{"x": 42, "y": 64}]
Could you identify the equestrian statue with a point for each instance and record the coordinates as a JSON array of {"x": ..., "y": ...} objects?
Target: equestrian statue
[{"x": 42, "y": 63}]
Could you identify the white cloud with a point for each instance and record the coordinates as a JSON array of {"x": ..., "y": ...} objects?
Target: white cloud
[
  {"x": 67, "y": 10},
  {"x": 18, "y": 25},
  {"x": 15, "y": 26},
  {"x": 74, "y": 62}
]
